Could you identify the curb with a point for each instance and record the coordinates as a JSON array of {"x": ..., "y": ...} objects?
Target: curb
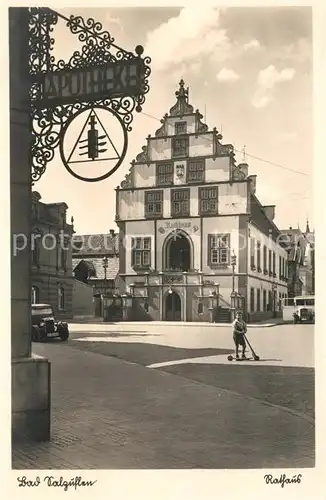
[{"x": 170, "y": 323}]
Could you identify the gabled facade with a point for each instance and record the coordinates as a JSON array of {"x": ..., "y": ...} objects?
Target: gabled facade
[
  {"x": 185, "y": 211},
  {"x": 300, "y": 249}
]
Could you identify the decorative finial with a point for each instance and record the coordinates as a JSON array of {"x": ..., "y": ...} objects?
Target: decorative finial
[
  {"x": 72, "y": 220},
  {"x": 182, "y": 93},
  {"x": 307, "y": 227}
]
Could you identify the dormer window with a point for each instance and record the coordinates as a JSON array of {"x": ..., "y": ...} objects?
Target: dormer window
[{"x": 180, "y": 128}]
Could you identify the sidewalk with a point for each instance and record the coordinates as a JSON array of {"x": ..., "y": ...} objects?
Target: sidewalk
[{"x": 112, "y": 414}]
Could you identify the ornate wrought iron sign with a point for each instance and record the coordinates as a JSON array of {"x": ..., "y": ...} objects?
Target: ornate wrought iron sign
[
  {"x": 94, "y": 144},
  {"x": 101, "y": 74}
]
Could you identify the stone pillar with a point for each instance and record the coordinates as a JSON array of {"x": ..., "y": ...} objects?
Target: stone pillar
[{"x": 30, "y": 375}]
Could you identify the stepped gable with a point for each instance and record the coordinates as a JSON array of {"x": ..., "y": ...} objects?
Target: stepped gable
[{"x": 180, "y": 109}]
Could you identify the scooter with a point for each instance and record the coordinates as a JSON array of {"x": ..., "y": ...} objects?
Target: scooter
[{"x": 254, "y": 355}]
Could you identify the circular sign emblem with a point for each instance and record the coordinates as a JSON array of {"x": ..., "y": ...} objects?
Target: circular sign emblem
[{"x": 94, "y": 143}]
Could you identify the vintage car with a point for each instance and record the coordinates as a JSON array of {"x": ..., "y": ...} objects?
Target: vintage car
[
  {"x": 44, "y": 325},
  {"x": 303, "y": 315}
]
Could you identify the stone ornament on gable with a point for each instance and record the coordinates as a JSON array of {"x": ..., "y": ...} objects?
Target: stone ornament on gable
[
  {"x": 238, "y": 174},
  {"x": 143, "y": 156},
  {"x": 180, "y": 170}
]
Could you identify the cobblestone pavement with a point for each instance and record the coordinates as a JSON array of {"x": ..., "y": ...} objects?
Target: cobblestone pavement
[{"x": 111, "y": 413}]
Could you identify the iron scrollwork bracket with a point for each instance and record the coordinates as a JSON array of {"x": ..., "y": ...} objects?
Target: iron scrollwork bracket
[{"x": 99, "y": 49}]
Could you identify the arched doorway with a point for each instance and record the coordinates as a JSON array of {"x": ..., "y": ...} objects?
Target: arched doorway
[
  {"x": 178, "y": 253},
  {"x": 172, "y": 307}
]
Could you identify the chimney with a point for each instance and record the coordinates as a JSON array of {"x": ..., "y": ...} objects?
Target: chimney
[
  {"x": 253, "y": 182},
  {"x": 112, "y": 232}
]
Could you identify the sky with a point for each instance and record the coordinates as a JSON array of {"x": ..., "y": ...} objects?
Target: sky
[{"x": 249, "y": 71}]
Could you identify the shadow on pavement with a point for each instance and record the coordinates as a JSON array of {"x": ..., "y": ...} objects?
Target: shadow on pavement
[
  {"x": 113, "y": 334},
  {"x": 145, "y": 353},
  {"x": 291, "y": 387}
]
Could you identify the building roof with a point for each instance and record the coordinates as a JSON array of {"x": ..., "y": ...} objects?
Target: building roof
[
  {"x": 260, "y": 219},
  {"x": 95, "y": 264},
  {"x": 95, "y": 244}
]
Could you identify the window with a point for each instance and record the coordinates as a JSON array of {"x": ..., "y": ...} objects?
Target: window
[
  {"x": 196, "y": 171},
  {"x": 61, "y": 298},
  {"x": 270, "y": 261},
  {"x": 252, "y": 299},
  {"x": 200, "y": 308},
  {"x": 35, "y": 295},
  {"x": 252, "y": 253},
  {"x": 280, "y": 267},
  {"x": 180, "y": 202},
  {"x": 264, "y": 300},
  {"x": 154, "y": 203},
  {"x": 218, "y": 249},
  {"x": 180, "y": 128},
  {"x": 274, "y": 264},
  {"x": 141, "y": 252},
  {"x": 258, "y": 256},
  {"x": 258, "y": 299},
  {"x": 35, "y": 248},
  {"x": 265, "y": 259},
  {"x": 180, "y": 146},
  {"x": 270, "y": 301},
  {"x": 164, "y": 174},
  {"x": 208, "y": 201}
]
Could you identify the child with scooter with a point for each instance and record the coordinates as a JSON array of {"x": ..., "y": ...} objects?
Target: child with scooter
[{"x": 239, "y": 331}]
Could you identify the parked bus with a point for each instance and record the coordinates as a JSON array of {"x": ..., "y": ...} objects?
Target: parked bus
[{"x": 296, "y": 308}]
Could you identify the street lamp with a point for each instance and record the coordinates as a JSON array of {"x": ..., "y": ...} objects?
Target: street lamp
[
  {"x": 233, "y": 293},
  {"x": 105, "y": 300},
  {"x": 233, "y": 264},
  {"x": 105, "y": 267}
]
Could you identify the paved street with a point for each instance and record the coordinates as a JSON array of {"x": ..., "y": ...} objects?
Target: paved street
[{"x": 161, "y": 396}]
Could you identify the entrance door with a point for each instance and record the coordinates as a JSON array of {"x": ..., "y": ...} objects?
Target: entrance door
[{"x": 172, "y": 307}]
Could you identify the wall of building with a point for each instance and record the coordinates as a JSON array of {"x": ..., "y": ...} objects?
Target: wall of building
[
  {"x": 216, "y": 170},
  {"x": 50, "y": 271},
  {"x": 82, "y": 299},
  {"x": 232, "y": 198},
  {"x": 259, "y": 281},
  {"x": 145, "y": 228},
  {"x": 48, "y": 293},
  {"x": 171, "y": 121}
]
